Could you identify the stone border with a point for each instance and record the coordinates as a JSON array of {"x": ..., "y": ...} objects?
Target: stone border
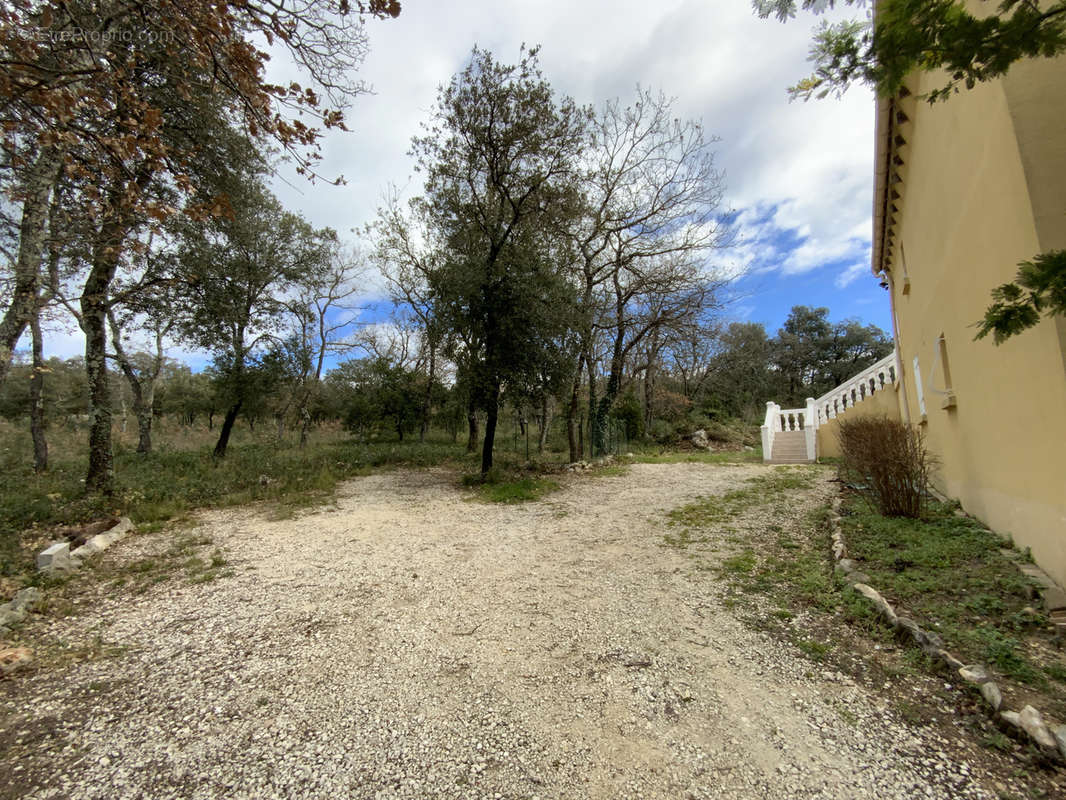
[
  {"x": 58, "y": 557},
  {"x": 1052, "y": 742},
  {"x": 14, "y": 611}
]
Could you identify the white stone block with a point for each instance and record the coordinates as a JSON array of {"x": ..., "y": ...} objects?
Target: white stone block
[{"x": 58, "y": 554}]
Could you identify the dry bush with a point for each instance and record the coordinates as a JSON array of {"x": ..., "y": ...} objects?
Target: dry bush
[{"x": 888, "y": 462}]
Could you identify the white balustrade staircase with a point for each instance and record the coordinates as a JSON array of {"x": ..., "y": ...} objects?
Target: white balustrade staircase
[
  {"x": 789, "y": 435},
  {"x": 789, "y": 447}
]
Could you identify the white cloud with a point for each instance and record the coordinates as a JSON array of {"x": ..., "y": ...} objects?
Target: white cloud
[{"x": 850, "y": 274}]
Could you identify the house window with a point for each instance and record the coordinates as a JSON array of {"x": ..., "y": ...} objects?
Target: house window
[
  {"x": 905, "y": 287},
  {"x": 947, "y": 394},
  {"x": 918, "y": 387}
]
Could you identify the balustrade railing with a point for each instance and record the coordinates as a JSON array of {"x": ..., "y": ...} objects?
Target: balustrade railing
[
  {"x": 853, "y": 391},
  {"x": 875, "y": 378}
]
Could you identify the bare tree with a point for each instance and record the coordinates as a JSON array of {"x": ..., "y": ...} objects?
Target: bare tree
[
  {"x": 651, "y": 221},
  {"x": 323, "y": 315}
]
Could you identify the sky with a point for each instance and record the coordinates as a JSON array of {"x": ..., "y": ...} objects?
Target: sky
[{"x": 799, "y": 176}]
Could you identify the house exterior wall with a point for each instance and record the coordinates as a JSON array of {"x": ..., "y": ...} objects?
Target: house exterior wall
[
  {"x": 982, "y": 186},
  {"x": 879, "y": 404}
]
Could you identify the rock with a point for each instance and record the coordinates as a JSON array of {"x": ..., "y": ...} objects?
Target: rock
[
  {"x": 10, "y": 616},
  {"x": 1059, "y": 732},
  {"x": 1054, "y": 599},
  {"x": 13, "y": 658},
  {"x": 990, "y": 692},
  {"x": 1033, "y": 724},
  {"x": 26, "y": 598},
  {"x": 975, "y": 673},
  {"x": 1013, "y": 717},
  {"x": 699, "y": 439},
  {"x": 846, "y": 565},
  {"x": 908, "y": 624},
  {"x": 949, "y": 660},
  {"x": 858, "y": 577},
  {"x": 1037, "y": 576},
  {"x": 928, "y": 641},
  {"x": 104, "y": 540},
  {"x": 878, "y": 601},
  {"x": 56, "y": 554},
  {"x": 14, "y": 611}
]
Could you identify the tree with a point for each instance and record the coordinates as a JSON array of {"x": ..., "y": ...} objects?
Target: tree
[
  {"x": 500, "y": 161},
  {"x": 799, "y": 351},
  {"x": 111, "y": 94},
  {"x": 927, "y": 35},
  {"x": 812, "y": 355},
  {"x": 647, "y": 222},
  {"x": 141, "y": 371},
  {"x": 739, "y": 379},
  {"x": 407, "y": 269},
  {"x": 377, "y": 391},
  {"x": 234, "y": 271},
  {"x": 321, "y": 317}
]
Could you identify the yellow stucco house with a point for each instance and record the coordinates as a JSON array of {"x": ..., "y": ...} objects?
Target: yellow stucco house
[{"x": 964, "y": 190}]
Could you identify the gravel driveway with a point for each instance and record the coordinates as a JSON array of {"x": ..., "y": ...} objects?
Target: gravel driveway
[{"x": 409, "y": 643}]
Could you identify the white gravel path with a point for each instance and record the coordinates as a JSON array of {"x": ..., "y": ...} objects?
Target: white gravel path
[{"x": 409, "y": 643}]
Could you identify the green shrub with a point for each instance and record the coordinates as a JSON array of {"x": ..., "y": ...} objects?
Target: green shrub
[
  {"x": 630, "y": 413},
  {"x": 662, "y": 432}
]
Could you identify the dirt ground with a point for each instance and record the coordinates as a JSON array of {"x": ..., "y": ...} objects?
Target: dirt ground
[{"x": 409, "y": 642}]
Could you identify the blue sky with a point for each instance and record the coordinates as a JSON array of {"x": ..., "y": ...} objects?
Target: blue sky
[{"x": 799, "y": 175}]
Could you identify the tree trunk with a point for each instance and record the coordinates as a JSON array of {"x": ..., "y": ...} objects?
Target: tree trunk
[
  {"x": 144, "y": 429},
  {"x": 94, "y": 299},
  {"x": 610, "y": 394},
  {"x": 227, "y": 428},
  {"x": 40, "y": 444},
  {"x": 493, "y": 410},
  {"x": 592, "y": 404},
  {"x": 428, "y": 398},
  {"x": 32, "y": 239},
  {"x": 573, "y": 424},
  {"x": 649, "y": 379},
  {"x": 472, "y": 432},
  {"x": 545, "y": 422},
  {"x": 144, "y": 407},
  {"x": 305, "y": 426}
]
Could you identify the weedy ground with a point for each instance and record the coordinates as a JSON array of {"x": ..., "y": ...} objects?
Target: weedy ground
[{"x": 948, "y": 572}]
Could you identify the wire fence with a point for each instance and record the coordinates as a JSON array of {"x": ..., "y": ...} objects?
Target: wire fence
[{"x": 523, "y": 437}]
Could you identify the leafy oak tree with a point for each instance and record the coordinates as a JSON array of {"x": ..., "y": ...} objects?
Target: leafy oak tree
[
  {"x": 500, "y": 159},
  {"x": 235, "y": 271}
]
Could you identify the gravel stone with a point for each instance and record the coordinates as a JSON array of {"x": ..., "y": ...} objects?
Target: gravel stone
[{"x": 408, "y": 643}]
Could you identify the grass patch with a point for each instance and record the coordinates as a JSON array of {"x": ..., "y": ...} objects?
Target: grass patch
[
  {"x": 815, "y": 650},
  {"x": 760, "y": 489},
  {"x": 500, "y": 486},
  {"x": 181, "y": 476},
  {"x": 950, "y": 572}
]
